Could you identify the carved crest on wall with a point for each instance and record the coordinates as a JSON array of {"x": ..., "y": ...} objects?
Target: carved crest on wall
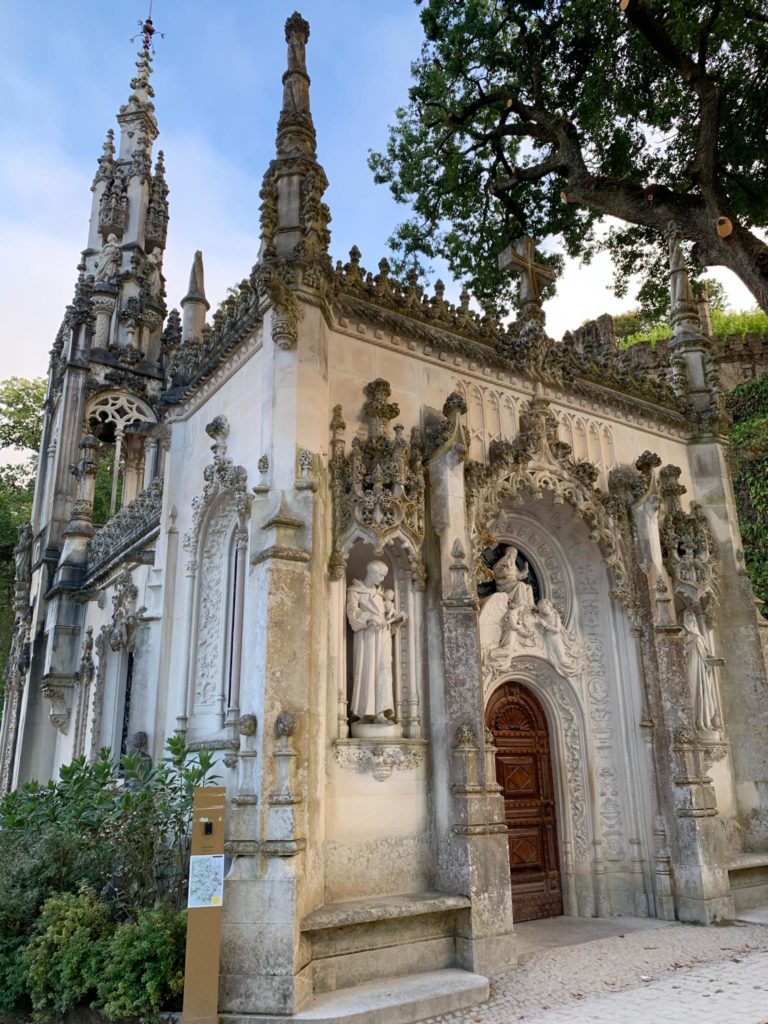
[{"x": 378, "y": 486}]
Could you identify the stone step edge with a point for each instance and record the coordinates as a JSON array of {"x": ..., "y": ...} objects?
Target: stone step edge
[
  {"x": 398, "y": 905},
  {"x": 401, "y": 1000}
]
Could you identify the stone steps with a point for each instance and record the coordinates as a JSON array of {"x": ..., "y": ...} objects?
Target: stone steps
[{"x": 402, "y": 1000}]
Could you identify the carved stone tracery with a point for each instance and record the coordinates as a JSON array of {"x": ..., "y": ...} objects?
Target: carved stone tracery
[{"x": 378, "y": 488}]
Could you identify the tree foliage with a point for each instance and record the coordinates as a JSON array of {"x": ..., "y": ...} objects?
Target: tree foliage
[
  {"x": 21, "y": 413},
  {"x": 651, "y": 114},
  {"x": 21, "y": 424},
  {"x": 748, "y": 404}
]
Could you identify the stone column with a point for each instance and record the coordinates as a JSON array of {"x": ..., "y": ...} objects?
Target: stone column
[
  {"x": 264, "y": 965},
  {"x": 689, "y": 838},
  {"x": 471, "y": 837},
  {"x": 104, "y": 299}
]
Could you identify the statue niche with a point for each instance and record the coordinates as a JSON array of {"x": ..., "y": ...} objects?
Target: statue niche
[
  {"x": 373, "y": 619},
  {"x": 378, "y": 525},
  {"x": 516, "y": 620}
]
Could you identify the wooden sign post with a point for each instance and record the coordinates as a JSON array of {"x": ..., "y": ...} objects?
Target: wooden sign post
[{"x": 205, "y": 901}]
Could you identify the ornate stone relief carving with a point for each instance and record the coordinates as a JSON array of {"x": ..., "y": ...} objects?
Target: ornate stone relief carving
[
  {"x": 86, "y": 674},
  {"x": 378, "y": 488},
  {"x": 18, "y": 657},
  {"x": 221, "y": 476},
  {"x": 60, "y": 711},
  {"x": 125, "y": 616},
  {"x": 688, "y": 548},
  {"x": 535, "y": 463},
  {"x": 380, "y": 758},
  {"x": 219, "y": 519},
  {"x": 100, "y": 646},
  {"x": 493, "y": 414},
  {"x": 510, "y": 627},
  {"x": 126, "y": 528}
]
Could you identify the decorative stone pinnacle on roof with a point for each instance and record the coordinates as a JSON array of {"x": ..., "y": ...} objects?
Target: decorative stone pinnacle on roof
[
  {"x": 196, "y": 289},
  {"x": 296, "y": 26},
  {"x": 684, "y": 312},
  {"x": 142, "y": 88},
  {"x": 377, "y": 409},
  {"x": 295, "y": 130},
  {"x": 108, "y": 149}
]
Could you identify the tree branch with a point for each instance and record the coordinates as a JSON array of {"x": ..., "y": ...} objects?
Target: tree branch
[{"x": 703, "y": 168}]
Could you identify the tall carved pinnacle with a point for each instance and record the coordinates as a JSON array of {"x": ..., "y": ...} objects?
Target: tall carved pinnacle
[
  {"x": 295, "y": 130},
  {"x": 137, "y": 116},
  {"x": 142, "y": 88},
  {"x": 684, "y": 311},
  {"x": 196, "y": 289}
]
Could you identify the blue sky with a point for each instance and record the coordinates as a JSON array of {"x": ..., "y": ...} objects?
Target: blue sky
[{"x": 65, "y": 69}]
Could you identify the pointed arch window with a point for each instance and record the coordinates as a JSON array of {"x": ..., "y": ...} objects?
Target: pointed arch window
[
  {"x": 113, "y": 418},
  {"x": 217, "y": 544}
]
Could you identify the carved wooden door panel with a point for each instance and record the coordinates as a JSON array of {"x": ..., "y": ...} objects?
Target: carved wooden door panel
[{"x": 524, "y": 771}]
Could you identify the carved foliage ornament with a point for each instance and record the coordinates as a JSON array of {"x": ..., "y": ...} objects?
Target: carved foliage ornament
[
  {"x": 688, "y": 547},
  {"x": 378, "y": 488},
  {"x": 125, "y": 616},
  {"x": 380, "y": 759},
  {"x": 221, "y": 476},
  {"x": 536, "y": 462}
]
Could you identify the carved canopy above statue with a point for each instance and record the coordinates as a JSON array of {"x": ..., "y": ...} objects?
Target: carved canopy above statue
[{"x": 378, "y": 488}]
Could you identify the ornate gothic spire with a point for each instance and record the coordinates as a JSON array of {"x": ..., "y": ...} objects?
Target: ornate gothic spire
[
  {"x": 294, "y": 220},
  {"x": 295, "y": 129}
]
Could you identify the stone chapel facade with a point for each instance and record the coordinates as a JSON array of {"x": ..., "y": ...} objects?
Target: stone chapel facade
[{"x": 550, "y": 696}]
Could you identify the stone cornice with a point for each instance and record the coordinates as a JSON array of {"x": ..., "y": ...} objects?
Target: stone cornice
[
  {"x": 481, "y": 362},
  {"x": 410, "y": 330}
]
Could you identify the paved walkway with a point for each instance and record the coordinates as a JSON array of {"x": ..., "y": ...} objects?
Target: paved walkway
[{"x": 644, "y": 972}]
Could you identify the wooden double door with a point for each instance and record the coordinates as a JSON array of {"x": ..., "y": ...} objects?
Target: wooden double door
[{"x": 524, "y": 771}]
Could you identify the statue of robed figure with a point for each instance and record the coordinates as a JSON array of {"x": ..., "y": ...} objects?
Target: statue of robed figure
[{"x": 371, "y": 616}]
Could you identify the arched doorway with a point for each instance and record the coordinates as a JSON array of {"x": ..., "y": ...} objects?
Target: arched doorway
[{"x": 524, "y": 771}]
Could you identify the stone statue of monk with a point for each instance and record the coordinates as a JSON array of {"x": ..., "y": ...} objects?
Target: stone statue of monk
[{"x": 371, "y": 621}]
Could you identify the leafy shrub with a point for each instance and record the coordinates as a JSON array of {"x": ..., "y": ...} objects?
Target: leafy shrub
[
  {"x": 66, "y": 957},
  {"x": 120, "y": 833},
  {"x": 144, "y": 972}
]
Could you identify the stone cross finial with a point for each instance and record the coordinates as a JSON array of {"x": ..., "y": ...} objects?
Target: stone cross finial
[{"x": 520, "y": 258}]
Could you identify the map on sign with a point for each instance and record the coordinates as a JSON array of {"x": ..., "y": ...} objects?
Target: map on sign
[{"x": 206, "y": 881}]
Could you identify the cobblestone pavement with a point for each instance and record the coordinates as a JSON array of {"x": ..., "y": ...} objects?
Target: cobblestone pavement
[{"x": 670, "y": 974}]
